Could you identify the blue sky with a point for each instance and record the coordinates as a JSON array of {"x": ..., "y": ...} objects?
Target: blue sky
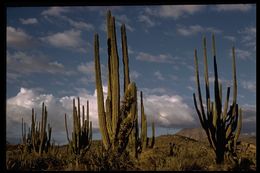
[{"x": 50, "y": 58}]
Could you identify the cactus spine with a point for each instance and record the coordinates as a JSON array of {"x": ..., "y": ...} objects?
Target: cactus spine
[
  {"x": 222, "y": 126},
  {"x": 37, "y": 140},
  {"x": 116, "y": 122},
  {"x": 82, "y": 130}
]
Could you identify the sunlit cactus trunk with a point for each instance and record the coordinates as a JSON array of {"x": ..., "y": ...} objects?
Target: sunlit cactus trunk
[
  {"x": 116, "y": 122},
  {"x": 221, "y": 125}
]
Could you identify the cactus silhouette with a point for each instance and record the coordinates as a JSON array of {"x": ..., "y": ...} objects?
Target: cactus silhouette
[{"x": 221, "y": 125}]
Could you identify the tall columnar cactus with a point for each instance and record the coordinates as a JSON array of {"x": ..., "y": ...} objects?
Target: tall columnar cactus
[
  {"x": 82, "y": 130},
  {"x": 221, "y": 125},
  {"x": 139, "y": 142},
  {"x": 143, "y": 124},
  {"x": 153, "y": 134},
  {"x": 116, "y": 121},
  {"x": 37, "y": 140}
]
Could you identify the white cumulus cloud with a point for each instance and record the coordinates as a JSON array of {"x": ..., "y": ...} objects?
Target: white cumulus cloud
[
  {"x": 17, "y": 38},
  {"x": 177, "y": 11},
  {"x": 161, "y": 58},
  {"x": 195, "y": 29},
  {"x": 69, "y": 39},
  {"x": 168, "y": 110},
  {"x": 29, "y": 21},
  {"x": 233, "y": 7},
  {"x": 20, "y": 106}
]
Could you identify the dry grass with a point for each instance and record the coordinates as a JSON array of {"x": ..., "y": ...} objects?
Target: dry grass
[{"x": 188, "y": 154}]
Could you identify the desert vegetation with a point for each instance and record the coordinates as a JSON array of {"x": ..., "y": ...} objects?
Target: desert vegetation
[
  {"x": 125, "y": 145},
  {"x": 222, "y": 126}
]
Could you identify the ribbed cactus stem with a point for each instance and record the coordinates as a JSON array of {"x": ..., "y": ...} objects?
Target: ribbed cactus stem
[
  {"x": 66, "y": 127},
  {"x": 100, "y": 97},
  {"x": 226, "y": 104},
  {"x": 115, "y": 87},
  {"x": 83, "y": 115},
  {"x": 216, "y": 83},
  {"x": 23, "y": 141},
  {"x": 43, "y": 128},
  {"x": 125, "y": 57},
  {"x": 143, "y": 123},
  {"x": 202, "y": 113},
  {"x": 49, "y": 137},
  {"x": 206, "y": 72},
  {"x": 234, "y": 77},
  {"x": 82, "y": 132},
  {"x": 153, "y": 133},
  {"x": 239, "y": 126},
  {"x": 79, "y": 125}
]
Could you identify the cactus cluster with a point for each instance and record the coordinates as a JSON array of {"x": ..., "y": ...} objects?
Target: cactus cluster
[
  {"x": 221, "y": 125},
  {"x": 37, "y": 140},
  {"x": 82, "y": 130},
  {"x": 138, "y": 142},
  {"x": 118, "y": 120}
]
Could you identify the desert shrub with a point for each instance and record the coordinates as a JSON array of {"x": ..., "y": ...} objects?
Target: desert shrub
[{"x": 107, "y": 161}]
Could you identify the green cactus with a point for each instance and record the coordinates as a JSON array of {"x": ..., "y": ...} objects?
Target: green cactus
[
  {"x": 153, "y": 134},
  {"x": 143, "y": 124},
  {"x": 222, "y": 126},
  {"x": 37, "y": 140},
  {"x": 82, "y": 130},
  {"x": 125, "y": 57},
  {"x": 138, "y": 143},
  {"x": 117, "y": 121}
]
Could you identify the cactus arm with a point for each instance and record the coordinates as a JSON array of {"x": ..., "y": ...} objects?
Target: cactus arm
[
  {"x": 226, "y": 105},
  {"x": 198, "y": 111},
  {"x": 79, "y": 129},
  {"x": 42, "y": 133},
  {"x": 83, "y": 117},
  {"x": 87, "y": 120},
  {"x": 216, "y": 83},
  {"x": 153, "y": 133},
  {"x": 220, "y": 92},
  {"x": 127, "y": 124},
  {"x": 66, "y": 127},
  {"x": 115, "y": 78},
  {"x": 143, "y": 123},
  {"x": 238, "y": 128},
  {"x": 206, "y": 76},
  {"x": 22, "y": 133},
  {"x": 203, "y": 117},
  {"x": 100, "y": 98},
  {"x": 125, "y": 57},
  {"x": 109, "y": 118},
  {"x": 234, "y": 76}
]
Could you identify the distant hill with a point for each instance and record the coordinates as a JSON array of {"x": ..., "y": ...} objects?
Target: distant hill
[
  {"x": 200, "y": 135},
  {"x": 193, "y": 133}
]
